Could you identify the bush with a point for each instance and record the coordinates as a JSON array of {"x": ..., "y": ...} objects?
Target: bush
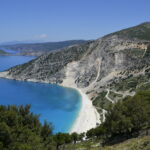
[{"x": 125, "y": 117}]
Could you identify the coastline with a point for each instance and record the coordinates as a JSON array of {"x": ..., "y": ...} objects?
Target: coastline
[{"x": 87, "y": 117}]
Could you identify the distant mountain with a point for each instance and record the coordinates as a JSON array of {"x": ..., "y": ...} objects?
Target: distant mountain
[
  {"x": 3, "y": 52},
  {"x": 40, "y": 48},
  {"x": 16, "y": 42}
]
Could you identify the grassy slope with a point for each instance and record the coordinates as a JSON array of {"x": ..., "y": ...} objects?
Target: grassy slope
[
  {"x": 141, "y": 143},
  {"x": 141, "y": 31}
]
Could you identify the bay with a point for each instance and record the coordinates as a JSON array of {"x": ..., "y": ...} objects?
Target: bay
[{"x": 58, "y": 105}]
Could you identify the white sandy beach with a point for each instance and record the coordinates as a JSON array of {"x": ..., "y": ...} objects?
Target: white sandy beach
[{"x": 88, "y": 116}]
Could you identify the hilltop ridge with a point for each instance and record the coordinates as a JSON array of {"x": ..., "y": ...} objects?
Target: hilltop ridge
[{"x": 37, "y": 49}]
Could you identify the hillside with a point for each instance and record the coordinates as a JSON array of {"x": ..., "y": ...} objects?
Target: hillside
[
  {"x": 3, "y": 53},
  {"x": 140, "y": 143},
  {"x": 107, "y": 69},
  {"x": 20, "y": 129},
  {"x": 38, "y": 49},
  {"x": 141, "y": 31}
]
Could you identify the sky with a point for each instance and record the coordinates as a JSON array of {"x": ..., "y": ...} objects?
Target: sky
[{"x": 59, "y": 20}]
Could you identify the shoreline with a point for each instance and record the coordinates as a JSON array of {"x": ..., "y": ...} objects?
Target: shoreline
[{"x": 87, "y": 117}]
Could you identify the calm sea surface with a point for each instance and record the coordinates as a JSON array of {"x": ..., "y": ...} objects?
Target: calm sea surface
[{"x": 56, "y": 104}]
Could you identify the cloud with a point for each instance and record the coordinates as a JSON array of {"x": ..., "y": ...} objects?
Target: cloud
[{"x": 41, "y": 36}]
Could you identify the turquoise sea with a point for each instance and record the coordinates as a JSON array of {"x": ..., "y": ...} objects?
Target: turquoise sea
[{"x": 56, "y": 104}]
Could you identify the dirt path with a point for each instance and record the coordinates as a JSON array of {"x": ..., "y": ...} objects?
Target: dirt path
[{"x": 108, "y": 91}]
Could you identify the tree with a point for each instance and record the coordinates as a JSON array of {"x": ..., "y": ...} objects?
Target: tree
[
  {"x": 21, "y": 130},
  {"x": 90, "y": 133},
  {"x": 5, "y": 136},
  {"x": 130, "y": 115},
  {"x": 74, "y": 137},
  {"x": 46, "y": 130},
  {"x": 59, "y": 139},
  {"x": 81, "y": 136}
]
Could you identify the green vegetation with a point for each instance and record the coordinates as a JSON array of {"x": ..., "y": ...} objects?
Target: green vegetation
[
  {"x": 127, "y": 84},
  {"x": 131, "y": 83},
  {"x": 42, "y": 48},
  {"x": 140, "y": 143},
  {"x": 3, "y": 52},
  {"x": 125, "y": 119},
  {"x": 134, "y": 53},
  {"x": 115, "y": 96},
  {"x": 141, "y": 31},
  {"x": 144, "y": 86},
  {"x": 21, "y": 130},
  {"x": 101, "y": 101}
]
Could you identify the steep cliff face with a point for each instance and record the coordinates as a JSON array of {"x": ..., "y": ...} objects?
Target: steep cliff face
[{"x": 104, "y": 65}]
